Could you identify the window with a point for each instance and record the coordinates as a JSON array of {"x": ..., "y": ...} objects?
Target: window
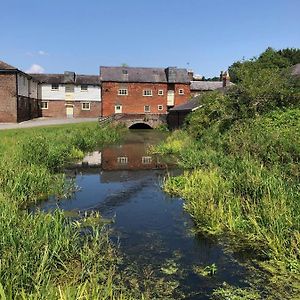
[
  {"x": 85, "y": 106},
  {"x": 122, "y": 160},
  {"x": 160, "y": 92},
  {"x": 54, "y": 86},
  {"x": 123, "y": 92},
  {"x": 118, "y": 109},
  {"x": 44, "y": 105},
  {"x": 147, "y": 93},
  {"x": 146, "y": 160},
  {"x": 160, "y": 107},
  {"x": 125, "y": 72},
  {"x": 84, "y": 87},
  {"x": 181, "y": 92},
  {"x": 147, "y": 108}
]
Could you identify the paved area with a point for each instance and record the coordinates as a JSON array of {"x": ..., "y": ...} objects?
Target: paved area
[{"x": 44, "y": 122}]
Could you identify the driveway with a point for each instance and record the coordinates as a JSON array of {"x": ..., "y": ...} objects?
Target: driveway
[{"x": 44, "y": 122}]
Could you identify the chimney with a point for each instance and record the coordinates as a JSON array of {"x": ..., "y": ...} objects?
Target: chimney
[
  {"x": 69, "y": 77},
  {"x": 225, "y": 78},
  {"x": 191, "y": 75}
]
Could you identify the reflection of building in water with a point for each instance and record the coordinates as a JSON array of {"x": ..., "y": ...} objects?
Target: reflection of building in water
[
  {"x": 92, "y": 159},
  {"x": 129, "y": 157}
]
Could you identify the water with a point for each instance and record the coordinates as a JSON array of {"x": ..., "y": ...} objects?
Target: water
[{"x": 124, "y": 182}]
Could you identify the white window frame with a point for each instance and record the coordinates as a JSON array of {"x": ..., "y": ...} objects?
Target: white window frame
[
  {"x": 118, "y": 111},
  {"x": 146, "y": 160},
  {"x": 123, "y": 160},
  {"x": 147, "y": 93},
  {"x": 147, "y": 111},
  {"x": 181, "y": 92},
  {"x": 85, "y": 89},
  {"x": 56, "y": 87},
  {"x": 160, "y": 107},
  {"x": 45, "y": 102},
  {"x": 84, "y": 103},
  {"x": 123, "y": 92},
  {"x": 160, "y": 92}
]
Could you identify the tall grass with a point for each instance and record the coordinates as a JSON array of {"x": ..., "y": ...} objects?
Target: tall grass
[
  {"x": 244, "y": 183},
  {"x": 48, "y": 256}
]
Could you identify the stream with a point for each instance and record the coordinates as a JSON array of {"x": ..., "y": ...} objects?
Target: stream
[{"x": 152, "y": 229}]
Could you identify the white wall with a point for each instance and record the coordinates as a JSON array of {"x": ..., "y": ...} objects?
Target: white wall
[
  {"x": 92, "y": 94},
  {"x": 23, "y": 86},
  {"x": 33, "y": 89},
  {"x": 48, "y": 94},
  {"x": 27, "y": 87}
]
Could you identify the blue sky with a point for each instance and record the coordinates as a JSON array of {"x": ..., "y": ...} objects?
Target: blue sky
[{"x": 206, "y": 36}]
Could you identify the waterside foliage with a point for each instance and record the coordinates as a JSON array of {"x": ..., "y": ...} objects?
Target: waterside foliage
[
  {"x": 241, "y": 153},
  {"x": 50, "y": 256}
]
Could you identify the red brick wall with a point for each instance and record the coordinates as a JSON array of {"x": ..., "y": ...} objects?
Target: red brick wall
[
  {"x": 8, "y": 99},
  {"x": 57, "y": 109},
  {"x": 134, "y": 102},
  {"x": 180, "y": 99},
  {"x": 94, "y": 112}
]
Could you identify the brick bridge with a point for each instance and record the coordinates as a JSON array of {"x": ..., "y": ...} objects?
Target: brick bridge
[{"x": 133, "y": 121}]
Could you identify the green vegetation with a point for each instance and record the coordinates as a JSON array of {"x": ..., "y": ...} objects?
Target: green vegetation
[
  {"x": 241, "y": 151},
  {"x": 50, "y": 256}
]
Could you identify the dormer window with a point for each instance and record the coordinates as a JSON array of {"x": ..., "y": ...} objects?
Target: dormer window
[
  {"x": 54, "y": 86},
  {"x": 84, "y": 87}
]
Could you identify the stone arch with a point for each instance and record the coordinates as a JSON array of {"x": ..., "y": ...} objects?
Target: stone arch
[{"x": 140, "y": 125}]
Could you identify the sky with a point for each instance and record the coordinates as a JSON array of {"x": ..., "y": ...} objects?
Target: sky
[{"x": 205, "y": 36}]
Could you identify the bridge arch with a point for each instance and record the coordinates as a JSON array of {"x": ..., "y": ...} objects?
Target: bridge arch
[{"x": 140, "y": 125}]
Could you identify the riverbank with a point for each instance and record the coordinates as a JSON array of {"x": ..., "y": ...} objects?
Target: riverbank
[
  {"x": 242, "y": 185},
  {"x": 47, "y": 255}
]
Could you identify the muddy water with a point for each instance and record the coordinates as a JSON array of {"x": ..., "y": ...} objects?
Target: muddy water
[{"x": 123, "y": 182}]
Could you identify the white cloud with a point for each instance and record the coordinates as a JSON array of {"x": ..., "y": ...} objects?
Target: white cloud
[
  {"x": 35, "y": 69},
  {"x": 42, "y": 53}
]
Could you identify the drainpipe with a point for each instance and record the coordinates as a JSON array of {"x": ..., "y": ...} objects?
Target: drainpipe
[{"x": 17, "y": 95}]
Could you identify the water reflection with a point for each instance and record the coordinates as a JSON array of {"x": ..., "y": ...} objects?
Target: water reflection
[{"x": 123, "y": 182}]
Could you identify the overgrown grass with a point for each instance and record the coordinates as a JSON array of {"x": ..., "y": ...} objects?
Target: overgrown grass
[
  {"x": 48, "y": 256},
  {"x": 32, "y": 158},
  {"x": 244, "y": 183}
]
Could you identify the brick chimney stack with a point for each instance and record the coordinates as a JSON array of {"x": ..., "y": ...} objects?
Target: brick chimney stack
[{"x": 225, "y": 78}]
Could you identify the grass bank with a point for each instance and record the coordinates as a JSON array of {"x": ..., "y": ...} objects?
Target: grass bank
[
  {"x": 243, "y": 183},
  {"x": 48, "y": 256}
]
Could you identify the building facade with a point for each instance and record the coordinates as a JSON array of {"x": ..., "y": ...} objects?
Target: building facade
[
  {"x": 19, "y": 98},
  {"x": 69, "y": 95},
  {"x": 127, "y": 90}
]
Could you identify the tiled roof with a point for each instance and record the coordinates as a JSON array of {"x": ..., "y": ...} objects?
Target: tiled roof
[
  {"x": 151, "y": 75},
  {"x": 192, "y": 104},
  {"x": 60, "y": 79},
  {"x": 5, "y": 66},
  {"x": 205, "y": 85}
]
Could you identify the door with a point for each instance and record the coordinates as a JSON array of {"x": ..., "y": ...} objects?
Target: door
[
  {"x": 70, "y": 111},
  {"x": 171, "y": 96}
]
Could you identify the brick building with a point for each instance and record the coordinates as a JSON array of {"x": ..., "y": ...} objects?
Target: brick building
[
  {"x": 18, "y": 95},
  {"x": 130, "y": 90},
  {"x": 69, "y": 95}
]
